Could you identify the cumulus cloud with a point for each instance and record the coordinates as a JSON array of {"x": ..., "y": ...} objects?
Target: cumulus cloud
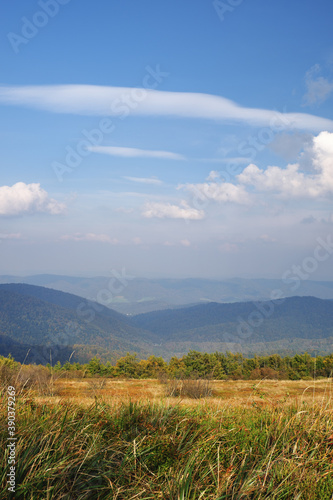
[
  {"x": 167, "y": 210},
  {"x": 290, "y": 181},
  {"x": 103, "y": 238},
  {"x": 113, "y": 101},
  {"x": 135, "y": 152},
  {"x": 318, "y": 87},
  {"x": 218, "y": 191},
  {"x": 144, "y": 180},
  {"x": 22, "y": 198},
  {"x": 284, "y": 180},
  {"x": 213, "y": 174}
]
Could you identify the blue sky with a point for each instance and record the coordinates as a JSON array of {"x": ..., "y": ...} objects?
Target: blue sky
[{"x": 172, "y": 139}]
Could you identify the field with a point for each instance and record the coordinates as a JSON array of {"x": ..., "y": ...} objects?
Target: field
[
  {"x": 124, "y": 439},
  {"x": 239, "y": 393}
]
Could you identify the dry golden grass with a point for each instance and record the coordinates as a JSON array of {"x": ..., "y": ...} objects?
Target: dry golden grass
[
  {"x": 240, "y": 393},
  {"x": 251, "y": 439}
]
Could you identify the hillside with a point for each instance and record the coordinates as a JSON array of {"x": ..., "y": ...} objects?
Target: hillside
[
  {"x": 37, "y": 316},
  {"x": 306, "y": 317},
  {"x": 43, "y": 319}
]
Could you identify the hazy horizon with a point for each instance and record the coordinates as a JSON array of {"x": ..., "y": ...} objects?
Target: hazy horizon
[{"x": 158, "y": 277}]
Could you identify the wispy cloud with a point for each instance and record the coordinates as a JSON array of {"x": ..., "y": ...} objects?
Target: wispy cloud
[
  {"x": 135, "y": 153},
  {"x": 318, "y": 87},
  {"x": 185, "y": 243},
  {"x": 10, "y": 236},
  {"x": 144, "y": 180},
  {"x": 102, "y": 100},
  {"x": 102, "y": 238},
  {"x": 167, "y": 210},
  {"x": 22, "y": 198}
]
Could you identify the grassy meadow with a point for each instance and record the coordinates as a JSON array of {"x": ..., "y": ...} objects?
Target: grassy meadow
[{"x": 96, "y": 438}]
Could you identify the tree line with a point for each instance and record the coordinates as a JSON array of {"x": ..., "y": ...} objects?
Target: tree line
[{"x": 216, "y": 365}]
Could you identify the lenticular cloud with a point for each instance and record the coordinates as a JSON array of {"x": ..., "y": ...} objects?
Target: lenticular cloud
[
  {"x": 113, "y": 101},
  {"x": 22, "y": 198}
]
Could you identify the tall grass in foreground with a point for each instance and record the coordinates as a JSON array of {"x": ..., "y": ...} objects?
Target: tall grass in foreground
[{"x": 152, "y": 451}]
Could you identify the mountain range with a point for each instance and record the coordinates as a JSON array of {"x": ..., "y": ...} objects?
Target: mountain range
[
  {"x": 49, "y": 320},
  {"x": 130, "y": 295},
  {"x": 57, "y": 325}
]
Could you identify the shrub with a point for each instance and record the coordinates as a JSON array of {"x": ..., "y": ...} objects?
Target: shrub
[
  {"x": 8, "y": 370},
  {"x": 189, "y": 388},
  {"x": 269, "y": 373},
  {"x": 34, "y": 377}
]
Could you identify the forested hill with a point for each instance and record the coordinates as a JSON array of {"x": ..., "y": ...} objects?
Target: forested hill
[
  {"x": 63, "y": 299},
  {"x": 37, "y": 316},
  {"x": 295, "y": 317}
]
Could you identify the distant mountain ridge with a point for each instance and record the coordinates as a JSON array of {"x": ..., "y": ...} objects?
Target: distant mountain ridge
[
  {"x": 50, "y": 322},
  {"x": 141, "y": 295},
  {"x": 294, "y": 317}
]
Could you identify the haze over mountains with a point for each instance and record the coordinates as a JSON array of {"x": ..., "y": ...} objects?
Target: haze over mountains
[
  {"x": 130, "y": 295},
  {"x": 54, "y": 324}
]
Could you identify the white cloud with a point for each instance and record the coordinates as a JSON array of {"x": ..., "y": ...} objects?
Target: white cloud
[
  {"x": 135, "y": 152},
  {"x": 185, "y": 243},
  {"x": 285, "y": 182},
  {"x": 213, "y": 175},
  {"x": 323, "y": 159},
  {"x": 218, "y": 191},
  {"x": 137, "y": 241},
  {"x": 290, "y": 181},
  {"x": 101, "y": 100},
  {"x": 318, "y": 87},
  {"x": 144, "y": 180},
  {"x": 22, "y": 198},
  {"x": 166, "y": 210},
  {"x": 103, "y": 238}
]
